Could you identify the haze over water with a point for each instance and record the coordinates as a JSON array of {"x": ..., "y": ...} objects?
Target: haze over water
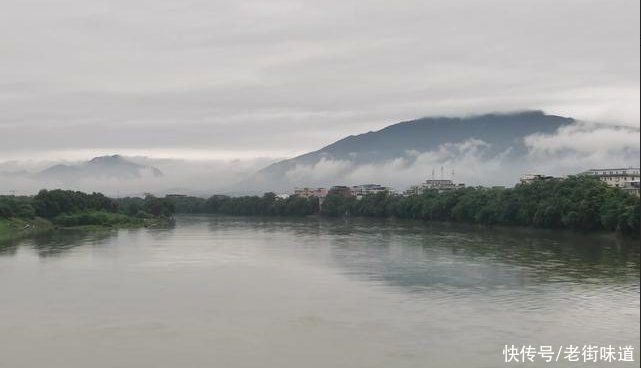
[{"x": 251, "y": 292}]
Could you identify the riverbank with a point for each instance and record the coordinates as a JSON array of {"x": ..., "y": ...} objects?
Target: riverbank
[
  {"x": 578, "y": 204},
  {"x": 92, "y": 219},
  {"x": 22, "y": 216},
  {"x": 16, "y": 228}
]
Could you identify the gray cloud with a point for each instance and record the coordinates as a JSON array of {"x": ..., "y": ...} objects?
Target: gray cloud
[
  {"x": 195, "y": 177},
  {"x": 284, "y": 77},
  {"x": 570, "y": 150}
]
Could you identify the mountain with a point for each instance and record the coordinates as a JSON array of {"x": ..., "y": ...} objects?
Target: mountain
[
  {"x": 103, "y": 167},
  {"x": 491, "y": 136}
]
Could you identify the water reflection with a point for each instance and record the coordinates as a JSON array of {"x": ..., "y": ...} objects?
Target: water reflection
[
  {"x": 417, "y": 254},
  {"x": 406, "y": 253},
  {"x": 56, "y": 243},
  {"x": 272, "y": 292},
  {"x": 59, "y": 242}
]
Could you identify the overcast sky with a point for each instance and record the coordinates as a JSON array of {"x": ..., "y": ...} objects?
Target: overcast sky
[{"x": 274, "y": 78}]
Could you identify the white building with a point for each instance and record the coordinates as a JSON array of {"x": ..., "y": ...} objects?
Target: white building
[
  {"x": 633, "y": 187},
  {"x": 434, "y": 184},
  {"x": 531, "y": 178},
  {"x": 626, "y": 179},
  {"x": 359, "y": 191},
  {"x": 311, "y": 192}
]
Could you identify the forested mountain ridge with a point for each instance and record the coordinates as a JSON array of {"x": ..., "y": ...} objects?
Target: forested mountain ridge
[{"x": 500, "y": 134}]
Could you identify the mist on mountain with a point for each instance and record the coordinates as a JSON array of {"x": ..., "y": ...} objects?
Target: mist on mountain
[{"x": 491, "y": 149}]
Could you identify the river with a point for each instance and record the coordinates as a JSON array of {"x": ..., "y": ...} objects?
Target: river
[{"x": 219, "y": 291}]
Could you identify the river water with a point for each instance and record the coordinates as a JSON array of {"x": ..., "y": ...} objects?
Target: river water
[{"x": 253, "y": 292}]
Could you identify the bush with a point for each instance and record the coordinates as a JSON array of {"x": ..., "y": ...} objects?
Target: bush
[{"x": 94, "y": 218}]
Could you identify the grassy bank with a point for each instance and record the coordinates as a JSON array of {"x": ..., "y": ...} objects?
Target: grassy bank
[
  {"x": 93, "y": 219},
  {"x": 22, "y": 216},
  {"x": 16, "y": 228}
]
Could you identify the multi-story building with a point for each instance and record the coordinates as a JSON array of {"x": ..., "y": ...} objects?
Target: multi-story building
[
  {"x": 359, "y": 191},
  {"x": 413, "y": 190},
  {"x": 310, "y": 192},
  {"x": 626, "y": 179},
  {"x": 633, "y": 187},
  {"x": 440, "y": 185},
  {"x": 341, "y": 189},
  {"x": 531, "y": 178}
]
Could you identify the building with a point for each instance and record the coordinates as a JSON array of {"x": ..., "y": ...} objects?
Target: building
[
  {"x": 359, "y": 191},
  {"x": 615, "y": 177},
  {"x": 626, "y": 179},
  {"x": 531, "y": 178},
  {"x": 632, "y": 187},
  {"x": 440, "y": 185},
  {"x": 310, "y": 192},
  {"x": 413, "y": 190},
  {"x": 341, "y": 190}
]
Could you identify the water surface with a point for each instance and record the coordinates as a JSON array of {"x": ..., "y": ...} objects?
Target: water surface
[{"x": 251, "y": 292}]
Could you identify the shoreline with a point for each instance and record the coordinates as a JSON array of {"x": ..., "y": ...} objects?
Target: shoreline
[
  {"x": 422, "y": 222},
  {"x": 392, "y": 222},
  {"x": 14, "y": 228}
]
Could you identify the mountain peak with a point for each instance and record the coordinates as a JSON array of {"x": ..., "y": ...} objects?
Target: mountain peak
[
  {"x": 500, "y": 134},
  {"x": 107, "y": 159},
  {"x": 110, "y": 166}
]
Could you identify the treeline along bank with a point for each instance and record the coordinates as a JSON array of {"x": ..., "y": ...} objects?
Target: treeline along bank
[{"x": 580, "y": 203}]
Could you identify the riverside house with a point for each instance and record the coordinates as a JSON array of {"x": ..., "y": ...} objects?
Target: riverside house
[
  {"x": 440, "y": 185},
  {"x": 626, "y": 179},
  {"x": 359, "y": 191}
]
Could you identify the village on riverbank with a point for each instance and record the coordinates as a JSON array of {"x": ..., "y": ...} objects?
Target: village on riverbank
[
  {"x": 595, "y": 200},
  {"x": 626, "y": 179}
]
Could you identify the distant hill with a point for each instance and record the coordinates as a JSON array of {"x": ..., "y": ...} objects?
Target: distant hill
[
  {"x": 501, "y": 134},
  {"x": 106, "y": 167}
]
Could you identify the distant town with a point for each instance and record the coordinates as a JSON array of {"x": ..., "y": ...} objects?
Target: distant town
[{"x": 627, "y": 179}]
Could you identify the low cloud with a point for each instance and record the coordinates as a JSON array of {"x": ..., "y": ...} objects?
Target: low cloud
[
  {"x": 585, "y": 138},
  {"x": 464, "y": 161},
  {"x": 197, "y": 177},
  {"x": 571, "y": 150}
]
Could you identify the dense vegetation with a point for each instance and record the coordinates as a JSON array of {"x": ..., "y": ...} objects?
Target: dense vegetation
[
  {"x": 72, "y": 208},
  {"x": 578, "y": 203},
  {"x": 267, "y": 205}
]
